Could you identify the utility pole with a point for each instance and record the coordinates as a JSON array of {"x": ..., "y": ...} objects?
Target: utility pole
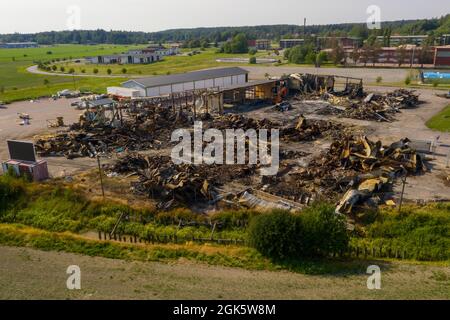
[
  {"x": 101, "y": 176},
  {"x": 403, "y": 193},
  {"x": 413, "y": 56},
  {"x": 74, "y": 82}
]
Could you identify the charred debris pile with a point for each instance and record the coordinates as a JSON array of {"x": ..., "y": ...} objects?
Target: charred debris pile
[
  {"x": 185, "y": 184},
  {"x": 178, "y": 184},
  {"x": 360, "y": 169},
  {"x": 356, "y": 170},
  {"x": 152, "y": 130},
  {"x": 352, "y": 102},
  {"x": 373, "y": 107},
  {"x": 365, "y": 170},
  {"x": 149, "y": 129}
]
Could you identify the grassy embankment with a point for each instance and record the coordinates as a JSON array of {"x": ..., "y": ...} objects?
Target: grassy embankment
[
  {"x": 441, "y": 121},
  {"x": 48, "y": 217}
]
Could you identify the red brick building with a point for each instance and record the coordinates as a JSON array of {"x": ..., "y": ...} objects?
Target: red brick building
[
  {"x": 442, "y": 56},
  {"x": 393, "y": 56}
]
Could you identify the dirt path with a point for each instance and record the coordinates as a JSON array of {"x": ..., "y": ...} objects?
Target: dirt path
[{"x": 31, "y": 274}]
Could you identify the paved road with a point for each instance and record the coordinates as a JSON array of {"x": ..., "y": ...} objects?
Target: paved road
[{"x": 34, "y": 69}]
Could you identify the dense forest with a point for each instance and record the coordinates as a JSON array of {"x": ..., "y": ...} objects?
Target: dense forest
[{"x": 433, "y": 27}]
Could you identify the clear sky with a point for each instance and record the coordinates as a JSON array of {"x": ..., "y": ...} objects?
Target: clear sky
[{"x": 155, "y": 15}]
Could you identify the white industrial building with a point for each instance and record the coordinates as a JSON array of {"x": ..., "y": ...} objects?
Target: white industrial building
[
  {"x": 18, "y": 45},
  {"x": 205, "y": 79},
  {"x": 137, "y": 56},
  {"x": 160, "y": 51},
  {"x": 129, "y": 58}
]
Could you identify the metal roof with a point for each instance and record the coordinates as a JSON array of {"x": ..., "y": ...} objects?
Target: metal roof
[
  {"x": 189, "y": 77},
  {"x": 101, "y": 102},
  {"x": 248, "y": 85}
]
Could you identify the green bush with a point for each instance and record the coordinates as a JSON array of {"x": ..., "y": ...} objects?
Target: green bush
[
  {"x": 299, "y": 54},
  {"x": 315, "y": 232},
  {"x": 321, "y": 58},
  {"x": 311, "y": 58},
  {"x": 252, "y": 60},
  {"x": 408, "y": 81},
  {"x": 276, "y": 235},
  {"x": 11, "y": 189},
  {"x": 325, "y": 232},
  {"x": 252, "y": 51},
  {"x": 436, "y": 83}
]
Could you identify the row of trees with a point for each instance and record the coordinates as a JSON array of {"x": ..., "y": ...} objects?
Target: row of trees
[
  {"x": 80, "y": 37},
  {"x": 434, "y": 27},
  {"x": 305, "y": 54},
  {"x": 198, "y": 43},
  {"x": 369, "y": 53}
]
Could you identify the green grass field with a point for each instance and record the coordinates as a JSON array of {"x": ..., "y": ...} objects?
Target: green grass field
[
  {"x": 18, "y": 84},
  {"x": 441, "y": 121}
]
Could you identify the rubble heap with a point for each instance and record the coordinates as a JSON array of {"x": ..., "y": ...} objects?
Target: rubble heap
[
  {"x": 76, "y": 144},
  {"x": 311, "y": 129},
  {"x": 357, "y": 167},
  {"x": 160, "y": 179},
  {"x": 150, "y": 129},
  {"x": 364, "y": 168},
  {"x": 374, "y": 107},
  {"x": 167, "y": 182},
  {"x": 237, "y": 121}
]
